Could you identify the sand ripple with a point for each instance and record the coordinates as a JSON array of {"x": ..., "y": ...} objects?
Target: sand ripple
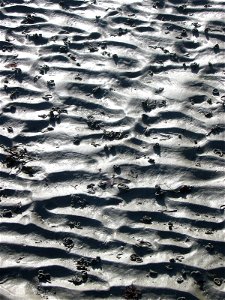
[{"x": 112, "y": 149}]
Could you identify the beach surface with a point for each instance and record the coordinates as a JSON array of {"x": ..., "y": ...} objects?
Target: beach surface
[{"x": 112, "y": 148}]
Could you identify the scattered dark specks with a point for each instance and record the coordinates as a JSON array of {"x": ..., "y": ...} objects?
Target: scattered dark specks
[
  {"x": 194, "y": 67},
  {"x": 44, "y": 69},
  {"x": 159, "y": 90},
  {"x": 218, "y": 152},
  {"x": 82, "y": 264},
  {"x": 215, "y": 130},
  {"x": 144, "y": 244},
  {"x": 184, "y": 189},
  {"x": 131, "y": 292},
  {"x": 96, "y": 263},
  {"x": 149, "y": 105},
  {"x": 195, "y": 32},
  {"x": 136, "y": 258},
  {"x": 215, "y": 92},
  {"x": 198, "y": 277},
  {"x": 156, "y": 148},
  {"x": 74, "y": 225},
  {"x": 123, "y": 187},
  {"x": 78, "y": 202},
  {"x": 55, "y": 113},
  {"x": 37, "y": 38},
  {"x": 115, "y": 58},
  {"x": 51, "y": 83},
  {"x": 169, "y": 267},
  {"x": 29, "y": 19},
  {"x": 10, "y": 129},
  {"x": 79, "y": 278},
  {"x": 98, "y": 92},
  {"x": 14, "y": 95},
  {"x": 218, "y": 281},
  {"x": 117, "y": 169},
  {"x": 153, "y": 274},
  {"x": 28, "y": 170},
  {"x": 17, "y": 73},
  {"x": 133, "y": 174},
  {"x": 44, "y": 277},
  {"x": 113, "y": 135},
  {"x": 91, "y": 188},
  {"x": 174, "y": 57},
  {"x": 19, "y": 259},
  {"x": 7, "y": 213},
  {"x": 103, "y": 184},
  {"x": 182, "y": 8},
  {"x": 92, "y": 49},
  {"x": 68, "y": 243},
  {"x": 170, "y": 225},
  {"x": 78, "y": 77},
  {"x": 122, "y": 31},
  {"x": 162, "y": 104},
  {"x": 36, "y": 78},
  {"x": 180, "y": 280},
  {"x": 208, "y": 114},
  {"x": 76, "y": 141},
  {"x": 151, "y": 161},
  {"x": 93, "y": 124},
  {"x": 63, "y": 4},
  {"x": 216, "y": 48},
  {"x": 222, "y": 207},
  {"x": 158, "y": 191},
  {"x": 103, "y": 45},
  {"x": 72, "y": 57},
  {"x": 209, "y": 231},
  {"x": 17, "y": 157},
  {"x": 209, "y": 247},
  {"x": 146, "y": 220},
  {"x": 184, "y": 33}
]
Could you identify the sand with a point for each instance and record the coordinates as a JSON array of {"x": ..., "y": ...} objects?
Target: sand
[{"x": 112, "y": 149}]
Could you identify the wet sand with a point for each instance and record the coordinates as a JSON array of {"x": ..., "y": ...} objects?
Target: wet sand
[{"x": 112, "y": 149}]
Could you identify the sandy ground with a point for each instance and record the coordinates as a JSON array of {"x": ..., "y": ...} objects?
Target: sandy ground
[{"x": 112, "y": 149}]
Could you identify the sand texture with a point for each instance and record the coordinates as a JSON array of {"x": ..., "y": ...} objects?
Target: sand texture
[{"x": 112, "y": 148}]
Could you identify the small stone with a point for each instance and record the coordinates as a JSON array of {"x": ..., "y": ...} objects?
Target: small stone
[
  {"x": 68, "y": 243},
  {"x": 153, "y": 274},
  {"x": 10, "y": 129},
  {"x": 216, "y": 92},
  {"x": 218, "y": 281},
  {"x": 180, "y": 280}
]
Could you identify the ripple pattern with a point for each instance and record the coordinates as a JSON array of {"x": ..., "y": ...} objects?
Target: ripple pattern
[{"x": 112, "y": 149}]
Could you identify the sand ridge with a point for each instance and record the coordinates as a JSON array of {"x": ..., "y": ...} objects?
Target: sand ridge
[{"x": 112, "y": 149}]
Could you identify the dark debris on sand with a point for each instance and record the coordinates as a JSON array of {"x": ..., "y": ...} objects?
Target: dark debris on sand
[{"x": 132, "y": 293}]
